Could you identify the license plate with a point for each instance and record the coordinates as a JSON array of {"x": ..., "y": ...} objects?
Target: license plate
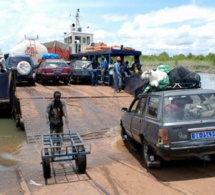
[
  {"x": 57, "y": 71},
  {"x": 85, "y": 72},
  {"x": 202, "y": 135}
]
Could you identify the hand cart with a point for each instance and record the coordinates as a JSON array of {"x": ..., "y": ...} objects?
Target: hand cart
[{"x": 60, "y": 147}]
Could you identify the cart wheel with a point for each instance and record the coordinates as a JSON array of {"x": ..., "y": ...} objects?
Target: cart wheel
[
  {"x": 81, "y": 163},
  {"x": 46, "y": 166}
]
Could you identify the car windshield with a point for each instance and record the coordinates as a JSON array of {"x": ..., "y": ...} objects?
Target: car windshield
[
  {"x": 82, "y": 64},
  {"x": 189, "y": 107},
  {"x": 14, "y": 61},
  {"x": 56, "y": 64}
]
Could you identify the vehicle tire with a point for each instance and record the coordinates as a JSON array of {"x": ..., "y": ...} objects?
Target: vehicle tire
[
  {"x": 31, "y": 82},
  {"x": 36, "y": 77},
  {"x": 46, "y": 168},
  {"x": 150, "y": 160},
  {"x": 42, "y": 81},
  {"x": 81, "y": 163},
  {"x": 212, "y": 157},
  {"x": 73, "y": 79},
  {"x": 65, "y": 82},
  {"x": 23, "y": 68},
  {"x": 123, "y": 133}
]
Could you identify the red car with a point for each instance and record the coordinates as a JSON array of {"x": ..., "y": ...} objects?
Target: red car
[{"x": 52, "y": 70}]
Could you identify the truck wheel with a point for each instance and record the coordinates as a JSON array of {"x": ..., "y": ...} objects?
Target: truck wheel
[
  {"x": 149, "y": 158},
  {"x": 81, "y": 163}
]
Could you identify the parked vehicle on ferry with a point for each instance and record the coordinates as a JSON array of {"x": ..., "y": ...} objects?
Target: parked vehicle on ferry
[
  {"x": 80, "y": 70},
  {"x": 23, "y": 66},
  {"x": 53, "y": 70},
  {"x": 171, "y": 124}
]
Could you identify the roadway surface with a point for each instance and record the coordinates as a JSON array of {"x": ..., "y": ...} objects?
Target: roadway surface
[{"x": 112, "y": 167}]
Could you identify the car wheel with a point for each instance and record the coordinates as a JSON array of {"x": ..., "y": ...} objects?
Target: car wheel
[
  {"x": 123, "y": 133},
  {"x": 31, "y": 82},
  {"x": 65, "y": 82},
  {"x": 150, "y": 160},
  {"x": 73, "y": 79},
  {"x": 36, "y": 77},
  {"x": 42, "y": 81},
  {"x": 212, "y": 157}
]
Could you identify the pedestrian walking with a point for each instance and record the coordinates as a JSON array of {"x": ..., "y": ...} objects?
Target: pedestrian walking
[
  {"x": 55, "y": 112},
  {"x": 117, "y": 75}
]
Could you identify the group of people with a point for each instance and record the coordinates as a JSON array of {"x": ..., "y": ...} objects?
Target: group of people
[
  {"x": 121, "y": 71},
  {"x": 118, "y": 72}
]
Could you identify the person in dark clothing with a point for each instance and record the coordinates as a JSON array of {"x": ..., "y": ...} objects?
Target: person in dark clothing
[
  {"x": 55, "y": 112},
  {"x": 127, "y": 69},
  {"x": 94, "y": 77},
  {"x": 124, "y": 70}
]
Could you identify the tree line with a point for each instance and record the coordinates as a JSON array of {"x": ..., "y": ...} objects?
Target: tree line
[{"x": 164, "y": 56}]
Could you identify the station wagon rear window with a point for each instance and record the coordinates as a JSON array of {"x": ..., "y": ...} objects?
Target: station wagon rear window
[
  {"x": 82, "y": 64},
  {"x": 189, "y": 107},
  {"x": 14, "y": 61},
  {"x": 56, "y": 64}
]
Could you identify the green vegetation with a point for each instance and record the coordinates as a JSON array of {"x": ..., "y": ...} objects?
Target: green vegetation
[{"x": 198, "y": 63}]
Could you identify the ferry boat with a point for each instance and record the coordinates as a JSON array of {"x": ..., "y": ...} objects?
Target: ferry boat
[{"x": 78, "y": 39}]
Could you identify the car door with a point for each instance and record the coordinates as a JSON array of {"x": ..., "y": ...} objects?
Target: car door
[
  {"x": 137, "y": 119},
  {"x": 151, "y": 123},
  {"x": 128, "y": 116}
]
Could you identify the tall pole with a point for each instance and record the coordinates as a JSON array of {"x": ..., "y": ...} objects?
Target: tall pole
[{"x": 77, "y": 19}]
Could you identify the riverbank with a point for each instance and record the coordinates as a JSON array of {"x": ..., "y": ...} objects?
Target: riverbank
[{"x": 193, "y": 66}]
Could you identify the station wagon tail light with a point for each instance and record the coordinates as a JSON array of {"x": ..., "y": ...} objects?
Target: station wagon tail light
[{"x": 163, "y": 137}]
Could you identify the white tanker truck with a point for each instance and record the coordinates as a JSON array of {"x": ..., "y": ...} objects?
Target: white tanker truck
[{"x": 30, "y": 46}]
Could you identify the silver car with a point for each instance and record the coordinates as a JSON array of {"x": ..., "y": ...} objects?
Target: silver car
[
  {"x": 171, "y": 124},
  {"x": 80, "y": 70}
]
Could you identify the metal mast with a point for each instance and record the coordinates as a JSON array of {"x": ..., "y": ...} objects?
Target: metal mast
[{"x": 77, "y": 19}]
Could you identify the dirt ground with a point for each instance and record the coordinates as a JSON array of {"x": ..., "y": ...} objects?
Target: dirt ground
[{"x": 113, "y": 167}]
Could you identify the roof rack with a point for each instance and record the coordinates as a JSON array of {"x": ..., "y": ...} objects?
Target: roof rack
[
  {"x": 184, "y": 85},
  {"x": 176, "y": 86}
]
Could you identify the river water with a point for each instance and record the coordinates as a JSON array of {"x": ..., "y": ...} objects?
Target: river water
[{"x": 11, "y": 138}]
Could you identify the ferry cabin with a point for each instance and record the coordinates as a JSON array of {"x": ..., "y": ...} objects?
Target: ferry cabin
[{"x": 78, "y": 40}]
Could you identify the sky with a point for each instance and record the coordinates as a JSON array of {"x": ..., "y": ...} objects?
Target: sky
[{"x": 151, "y": 26}]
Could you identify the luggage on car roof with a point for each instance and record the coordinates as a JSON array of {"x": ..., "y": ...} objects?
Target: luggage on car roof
[
  {"x": 181, "y": 74},
  {"x": 50, "y": 56}
]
